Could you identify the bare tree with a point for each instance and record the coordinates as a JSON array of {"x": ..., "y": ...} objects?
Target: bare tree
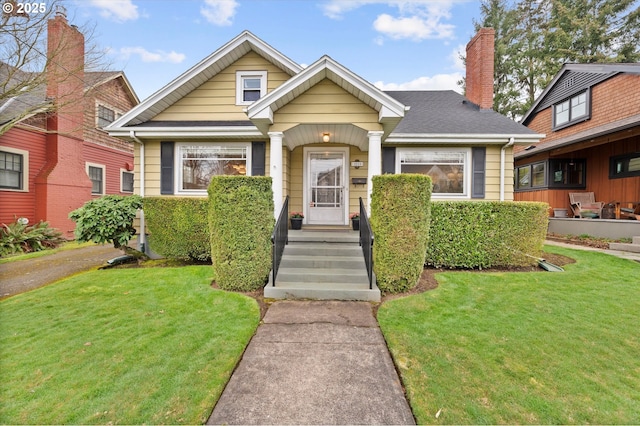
[{"x": 25, "y": 55}]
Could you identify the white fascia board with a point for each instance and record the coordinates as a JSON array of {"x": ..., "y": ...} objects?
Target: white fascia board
[
  {"x": 187, "y": 132},
  {"x": 451, "y": 138}
]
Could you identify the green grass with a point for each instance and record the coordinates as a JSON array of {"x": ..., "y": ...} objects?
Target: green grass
[
  {"x": 123, "y": 346},
  {"x": 523, "y": 348}
]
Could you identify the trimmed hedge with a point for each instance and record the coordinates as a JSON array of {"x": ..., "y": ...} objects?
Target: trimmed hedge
[
  {"x": 482, "y": 234},
  {"x": 178, "y": 227},
  {"x": 400, "y": 216},
  {"x": 241, "y": 222}
]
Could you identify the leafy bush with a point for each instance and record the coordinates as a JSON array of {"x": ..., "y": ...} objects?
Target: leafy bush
[
  {"x": 400, "y": 215},
  {"x": 178, "y": 227},
  {"x": 482, "y": 234},
  {"x": 21, "y": 238},
  {"x": 241, "y": 221},
  {"x": 107, "y": 219}
]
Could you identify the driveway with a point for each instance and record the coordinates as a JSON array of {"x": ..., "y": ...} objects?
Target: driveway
[{"x": 24, "y": 275}]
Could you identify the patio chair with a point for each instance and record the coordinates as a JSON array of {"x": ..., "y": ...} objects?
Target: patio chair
[
  {"x": 584, "y": 204},
  {"x": 630, "y": 213}
]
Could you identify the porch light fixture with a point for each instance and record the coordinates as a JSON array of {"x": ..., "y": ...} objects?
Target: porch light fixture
[{"x": 326, "y": 137}]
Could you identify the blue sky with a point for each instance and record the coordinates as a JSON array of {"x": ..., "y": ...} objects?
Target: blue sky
[{"x": 395, "y": 44}]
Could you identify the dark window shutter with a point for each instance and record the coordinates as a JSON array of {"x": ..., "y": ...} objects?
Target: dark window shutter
[
  {"x": 479, "y": 155},
  {"x": 258, "y": 150},
  {"x": 166, "y": 167},
  {"x": 388, "y": 160}
]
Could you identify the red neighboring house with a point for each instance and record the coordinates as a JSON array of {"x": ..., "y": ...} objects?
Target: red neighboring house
[
  {"x": 590, "y": 114},
  {"x": 53, "y": 162}
]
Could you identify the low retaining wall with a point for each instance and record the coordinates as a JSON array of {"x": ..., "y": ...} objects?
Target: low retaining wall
[{"x": 603, "y": 228}]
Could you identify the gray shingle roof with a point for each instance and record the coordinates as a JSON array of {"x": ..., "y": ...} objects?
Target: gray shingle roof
[{"x": 448, "y": 112}]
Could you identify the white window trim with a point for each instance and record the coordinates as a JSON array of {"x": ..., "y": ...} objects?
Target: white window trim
[
  {"x": 25, "y": 168},
  {"x": 122, "y": 172},
  {"x": 241, "y": 75},
  {"x": 116, "y": 113},
  {"x": 466, "y": 192},
  {"x": 177, "y": 165},
  {"x": 573, "y": 120},
  {"x": 104, "y": 177}
]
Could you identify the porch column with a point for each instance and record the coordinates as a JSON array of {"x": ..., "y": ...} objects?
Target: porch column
[
  {"x": 375, "y": 161},
  {"x": 276, "y": 170}
]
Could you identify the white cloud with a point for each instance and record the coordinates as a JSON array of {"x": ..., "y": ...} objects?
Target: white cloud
[
  {"x": 456, "y": 57},
  {"x": 415, "y": 20},
  {"x": 116, "y": 10},
  {"x": 219, "y": 12},
  {"x": 157, "y": 56},
  {"x": 437, "y": 82}
]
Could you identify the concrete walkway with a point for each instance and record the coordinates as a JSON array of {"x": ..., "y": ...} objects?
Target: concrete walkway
[
  {"x": 315, "y": 362},
  {"x": 622, "y": 254},
  {"x": 24, "y": 275}
]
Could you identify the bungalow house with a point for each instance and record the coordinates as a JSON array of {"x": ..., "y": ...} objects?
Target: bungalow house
[
  {"x": 54, "y": 152},
  {"x": 590, "y": 114},
  {"x": 321, "y": 132}
]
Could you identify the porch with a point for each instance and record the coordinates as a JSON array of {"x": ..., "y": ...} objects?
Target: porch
[{"x": 603, "y": 228}]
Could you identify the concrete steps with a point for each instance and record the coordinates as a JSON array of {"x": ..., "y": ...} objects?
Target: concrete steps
[
  {"x": 322, "y": 265},
  {"x": 633, "y": 247}
]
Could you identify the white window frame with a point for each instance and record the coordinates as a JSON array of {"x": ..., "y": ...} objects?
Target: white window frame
[
  {"x": 116, "y": 113},
  {"x": 177, "y": 166},
  {"x": 25, "y": 168},
  {"x": 466, "y": 181},
  {"x": 122, "y": 172},
  {"x": 571, "y": 104},
  {"x": 241, "y": 76},
  {"x": 104, "y": 178}
]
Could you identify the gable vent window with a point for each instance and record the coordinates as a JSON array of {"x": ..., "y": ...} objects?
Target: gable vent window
[
  {"x": 106, "y": 116},
  {"x": 250, "y": 86},
  {"x": 570, "y": 111}
]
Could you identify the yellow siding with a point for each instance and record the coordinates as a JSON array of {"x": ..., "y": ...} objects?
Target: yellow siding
[
  {"x": 216, "y": 99},
  {"x": 326, "y": 103}
]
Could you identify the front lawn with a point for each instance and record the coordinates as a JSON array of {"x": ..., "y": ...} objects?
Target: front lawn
[
  {"x": 124, "y": 346},
  {"x": 523, "y": 348}
]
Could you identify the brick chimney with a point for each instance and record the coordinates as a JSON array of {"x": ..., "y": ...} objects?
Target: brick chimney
[
  {"x": 63, "y": 185},
  {"x": 479, "y": 80}
]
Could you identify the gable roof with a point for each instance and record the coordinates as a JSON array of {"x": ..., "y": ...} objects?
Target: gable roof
[
  {"x": 443, "y": 116},
  {"x": 34, "y": 100},
  {"x": 202, "y": 72},
  {"x": 574, "y": 78},
  {"x": 390, "y": 110}
]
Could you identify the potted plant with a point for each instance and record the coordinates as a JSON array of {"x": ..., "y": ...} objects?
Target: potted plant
[
  {"x": 355, "y": 221},
  {"x": 296, "y": 220}
]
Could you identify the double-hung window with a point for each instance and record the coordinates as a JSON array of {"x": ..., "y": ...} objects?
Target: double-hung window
[
  {"x": 12, "y": 170},
  {"x": 96, "y": 173},
  {"x": 572, "y": 110},
  {"x": 105, "y": 116},
  {"x": 198, "y": 163},
  {"x": 250, "y": 86},
  {"x": 126, "y": 181},
  {"x": 449, "y": 168}
]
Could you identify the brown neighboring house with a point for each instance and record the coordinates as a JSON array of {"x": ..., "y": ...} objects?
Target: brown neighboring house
[
  {"x": 53, "y": 162},
  {"x": 590, "y": 114}
]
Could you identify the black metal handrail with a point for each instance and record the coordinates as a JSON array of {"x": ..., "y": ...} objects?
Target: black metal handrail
[
  {"x": 279, "y": 238},
  {"x": 366, "y": 242}
]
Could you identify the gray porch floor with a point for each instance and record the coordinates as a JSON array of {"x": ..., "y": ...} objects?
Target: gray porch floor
[{"x": 322, "y": 264}]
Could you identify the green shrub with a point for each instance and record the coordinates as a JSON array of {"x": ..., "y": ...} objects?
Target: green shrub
[
  {"x": 178, "y": 227},
  {"x": 241, "y": 221},
  {"x": 21, "y": 238},
  {"x": 400, "y": 215},
  {"x": 107, "y": 219},
  {"x": 482, "y": 234}
]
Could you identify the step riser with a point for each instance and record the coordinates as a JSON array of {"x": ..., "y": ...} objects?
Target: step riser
[
  {"x": 320, "y": 263},
  {"x": 319, "y": 277},
  {"x": 301, "y": 250},
  {"x": 319, "y": 294}
]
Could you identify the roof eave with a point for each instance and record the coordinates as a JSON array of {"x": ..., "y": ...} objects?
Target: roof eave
[{"x": 463, "y": 138}]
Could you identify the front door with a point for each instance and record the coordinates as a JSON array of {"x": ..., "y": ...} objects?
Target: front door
[{"x": 326, "y": 192}]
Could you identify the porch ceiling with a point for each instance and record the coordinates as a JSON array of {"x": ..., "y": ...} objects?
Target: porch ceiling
[{"x": 305, "y": 134}]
